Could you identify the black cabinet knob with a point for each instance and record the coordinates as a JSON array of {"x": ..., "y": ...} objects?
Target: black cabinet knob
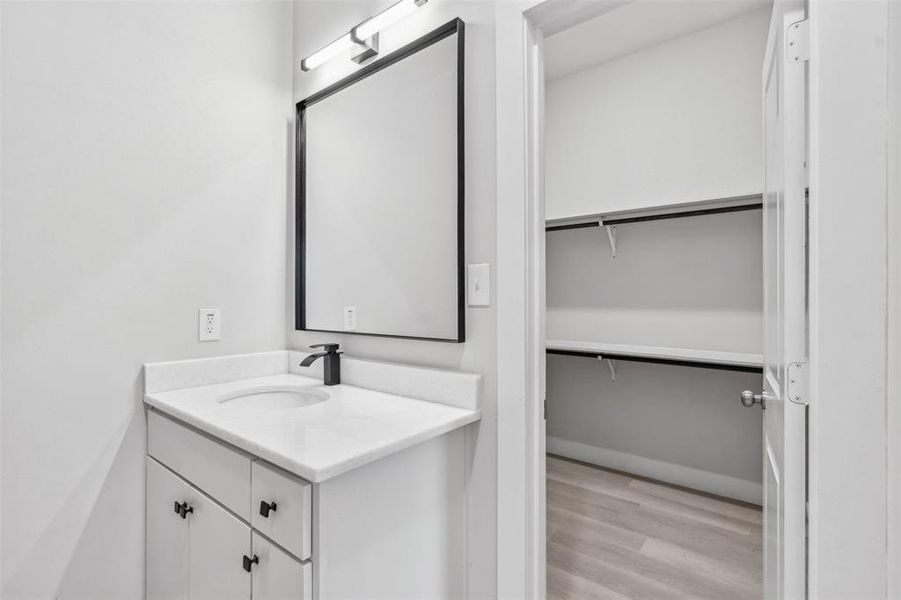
[
  {"x": 265, "y": 507},
  {"x": 248, "y": 562},
  {"x": 182, "y": 509}
]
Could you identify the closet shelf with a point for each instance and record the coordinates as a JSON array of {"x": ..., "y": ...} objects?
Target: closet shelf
[
  {"x": 708, "y": 359},
  {"x": 672, "y": 211}
]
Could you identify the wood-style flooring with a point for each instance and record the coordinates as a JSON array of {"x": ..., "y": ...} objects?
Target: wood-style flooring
[{"x": 613, "y": 536}]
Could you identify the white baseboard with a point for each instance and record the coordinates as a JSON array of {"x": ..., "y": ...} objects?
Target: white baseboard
[{"x": 696, "y": 479}]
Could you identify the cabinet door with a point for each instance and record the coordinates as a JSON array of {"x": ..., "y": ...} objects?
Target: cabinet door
[
  {"x": 167, "y": 535},
  {"x": 278, "y": 575},
  {"x": 218, "y": 544}
]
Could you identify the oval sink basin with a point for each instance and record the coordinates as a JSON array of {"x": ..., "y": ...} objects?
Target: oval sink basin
[{"x": 280, "y": 397}]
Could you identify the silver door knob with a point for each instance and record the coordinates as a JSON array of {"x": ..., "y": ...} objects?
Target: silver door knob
[{"x": 749, "y": 399}]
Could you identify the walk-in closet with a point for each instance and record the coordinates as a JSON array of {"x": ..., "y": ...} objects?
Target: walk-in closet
[{"x": 653, "y": 187}]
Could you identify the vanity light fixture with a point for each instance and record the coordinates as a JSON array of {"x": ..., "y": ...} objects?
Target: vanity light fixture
[
  {"x": 385, "y": 19},
  {"x": 325, "y": 54},
  {"x": 363, "y": 38}
]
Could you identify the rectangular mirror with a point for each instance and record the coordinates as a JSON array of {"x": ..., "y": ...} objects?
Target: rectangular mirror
[{"x": 380, "y": 196}]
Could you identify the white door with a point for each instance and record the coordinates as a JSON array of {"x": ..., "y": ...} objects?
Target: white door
[
  {"x": 278, "y": 575},
  {"x": 785, "y": 304},
  {"x": 217, "y": 546},
  {"x": 167, "y": 535}
]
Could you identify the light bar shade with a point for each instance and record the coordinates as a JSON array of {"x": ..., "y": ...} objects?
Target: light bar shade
[
  {"x": 343, "y": 43},
  {"x": 385, "y": 19},
  {"x": 363, "y": 35}
]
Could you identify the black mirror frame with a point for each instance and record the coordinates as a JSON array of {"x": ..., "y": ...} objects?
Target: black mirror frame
[{"x": 457, "y": 27}]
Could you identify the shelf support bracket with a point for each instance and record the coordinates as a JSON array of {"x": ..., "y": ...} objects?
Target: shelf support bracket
[
  {"x": 610, "y": 365},
  {"x": 611, "y": 236}
]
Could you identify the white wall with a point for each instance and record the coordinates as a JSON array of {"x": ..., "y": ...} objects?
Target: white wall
[
  {"x": 894, "y": 307},
  {"x": 319, "y": 22},
  {"x": 849, "y": 175},
  {"x": 520, "y": 380},
  {"x": 676, "y": 122},
  {"x": 146, "y": 165}
]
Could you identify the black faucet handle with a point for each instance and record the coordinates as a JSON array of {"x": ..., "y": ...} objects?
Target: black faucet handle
[{"x": 329, "y": 348}]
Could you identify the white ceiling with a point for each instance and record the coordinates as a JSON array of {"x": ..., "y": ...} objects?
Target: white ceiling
[{"x": 634, "y": 26}]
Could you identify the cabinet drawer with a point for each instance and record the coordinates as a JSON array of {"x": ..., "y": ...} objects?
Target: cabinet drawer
[
  {"x": 279, "y": 576},
  {"x": 220, "y": 471},
  {"x": 281, "y": 508}
]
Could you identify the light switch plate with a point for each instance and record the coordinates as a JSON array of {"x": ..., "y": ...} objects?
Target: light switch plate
[
  {"x": 209, "y": 325},
  {"x": 478, "y": 285},
  {"x": 350, "y": 318}
]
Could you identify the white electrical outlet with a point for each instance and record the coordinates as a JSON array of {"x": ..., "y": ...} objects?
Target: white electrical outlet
[
  {"x": 350, "y": 318},
  {"x": 209, "y": 325}
]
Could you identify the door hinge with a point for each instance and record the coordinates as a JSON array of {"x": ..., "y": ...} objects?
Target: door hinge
[
  {"x": 545, "y": 409},
  {"x": 797, "y": 41},
  {"x": 797, "y": 383}
]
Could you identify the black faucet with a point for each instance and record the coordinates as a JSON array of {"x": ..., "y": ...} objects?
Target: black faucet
[{"x": 331, "y": 366}]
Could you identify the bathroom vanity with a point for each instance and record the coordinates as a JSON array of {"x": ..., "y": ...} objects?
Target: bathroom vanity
[{"x": 263, "y": 483}]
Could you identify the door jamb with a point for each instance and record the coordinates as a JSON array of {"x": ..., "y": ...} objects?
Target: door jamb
[{"x": 520, "y": 27}]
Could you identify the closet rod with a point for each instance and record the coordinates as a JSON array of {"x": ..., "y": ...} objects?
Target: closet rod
[
  {"x": 757, "y": 205},
  {"x": 660, "y": 361},
  {"x": 573, "y": 226},
  {"x": 687, "y": 213}
]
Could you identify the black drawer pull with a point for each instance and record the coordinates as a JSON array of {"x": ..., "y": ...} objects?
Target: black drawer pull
[
  {"x": 248, "y": 562},
  {"x": 265, "y": 507}
]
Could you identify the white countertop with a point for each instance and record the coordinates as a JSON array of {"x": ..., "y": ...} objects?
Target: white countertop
[{"x": 316, "y": 442}]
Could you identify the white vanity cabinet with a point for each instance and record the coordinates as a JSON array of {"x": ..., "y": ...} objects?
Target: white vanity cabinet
[
  {"x": 223, "y": 524},
  {"x": 199, "y": 547}
]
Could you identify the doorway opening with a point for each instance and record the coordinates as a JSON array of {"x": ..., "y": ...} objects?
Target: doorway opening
[{"x": 653, "y": 157}]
